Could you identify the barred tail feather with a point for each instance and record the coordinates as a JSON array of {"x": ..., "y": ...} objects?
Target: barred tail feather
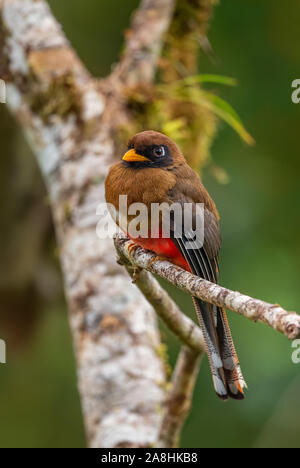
[
  {"x": 234, "y": 377},
  {"x": 226, "y": 373}
]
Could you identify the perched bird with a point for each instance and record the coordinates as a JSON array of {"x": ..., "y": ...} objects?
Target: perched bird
[{"x": 154, "y": 170}]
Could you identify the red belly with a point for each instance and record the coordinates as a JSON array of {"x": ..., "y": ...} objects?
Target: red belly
[{"x": 164, "y": 248}]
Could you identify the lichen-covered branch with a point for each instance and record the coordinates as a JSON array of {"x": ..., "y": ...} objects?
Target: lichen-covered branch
[
  {"x": 144, "y": 42},
  {"x": 273, "y": 315}
]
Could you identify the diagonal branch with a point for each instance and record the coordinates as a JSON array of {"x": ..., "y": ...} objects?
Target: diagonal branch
[
  {"x": 144, "y": 42},
  {"x": 273, "y": 315}
]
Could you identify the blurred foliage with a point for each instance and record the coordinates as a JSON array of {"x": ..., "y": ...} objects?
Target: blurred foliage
[
  {"x": 39, "y": 404},
  {"x": 187, "y": 114},
  {"x": 174, "y": 105}
]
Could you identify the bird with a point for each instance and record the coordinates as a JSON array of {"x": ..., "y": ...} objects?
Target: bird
[{"x": 153, "y": 170}]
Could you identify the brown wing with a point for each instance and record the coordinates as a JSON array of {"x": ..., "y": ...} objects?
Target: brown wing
[{"x": 203, "y": 261}]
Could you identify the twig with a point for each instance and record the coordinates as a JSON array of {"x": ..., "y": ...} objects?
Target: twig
[
  {"x": 273, "y": 315},
  {"x": 180, "y": 397}
]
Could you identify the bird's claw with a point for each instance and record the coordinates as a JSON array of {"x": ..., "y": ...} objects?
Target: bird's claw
[{"x": 132, "y": 247}]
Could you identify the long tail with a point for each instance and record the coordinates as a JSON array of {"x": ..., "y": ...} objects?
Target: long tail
[{"x": 226, "y": 372}]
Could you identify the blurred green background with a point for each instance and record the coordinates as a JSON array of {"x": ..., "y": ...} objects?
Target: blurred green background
[{"x": 256, "y": 42}]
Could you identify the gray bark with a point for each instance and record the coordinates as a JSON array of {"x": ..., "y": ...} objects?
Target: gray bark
[{"x": 68, "y": 122}]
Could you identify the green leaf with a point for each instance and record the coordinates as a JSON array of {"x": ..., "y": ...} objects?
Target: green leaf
[
  {"x": 224, "y": 110},
  {"x": 209, "y": 78},
  {"x": 187, "y": 90}
]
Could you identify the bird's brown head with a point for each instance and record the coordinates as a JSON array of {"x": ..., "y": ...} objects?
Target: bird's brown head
[{"x": 152, "y": 149}]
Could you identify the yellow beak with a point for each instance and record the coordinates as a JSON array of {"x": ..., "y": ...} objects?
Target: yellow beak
[{"x": 131, "y": 155}]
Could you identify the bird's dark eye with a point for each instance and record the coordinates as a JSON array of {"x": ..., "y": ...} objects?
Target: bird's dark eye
[
  {"x": 159, "y": 151},
  {"x": 130, "y": 146}
]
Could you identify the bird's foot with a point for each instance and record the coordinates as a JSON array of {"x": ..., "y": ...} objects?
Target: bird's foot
[
  {"x": 132, "y": 248},
  {"x": 159, "y": 258}
]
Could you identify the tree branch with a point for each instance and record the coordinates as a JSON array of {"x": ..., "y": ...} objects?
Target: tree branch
[
  {"x": 273, "y": 315},
  {"x": 144, "y": 42}
]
